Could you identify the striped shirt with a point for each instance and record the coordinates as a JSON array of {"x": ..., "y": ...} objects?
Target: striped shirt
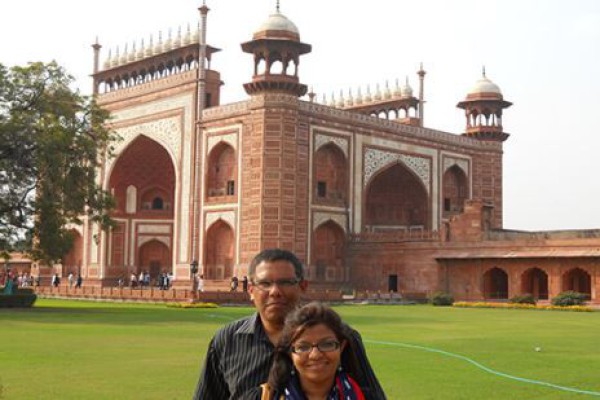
[{"x": 239, "y": 359}]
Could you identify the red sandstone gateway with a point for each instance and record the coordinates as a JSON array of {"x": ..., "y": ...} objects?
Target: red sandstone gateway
[{"x": 366, "y": 195}]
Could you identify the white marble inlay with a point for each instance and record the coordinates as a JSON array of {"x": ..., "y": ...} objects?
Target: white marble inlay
[
  {"x": 461, "y": 163},
  {"x": 230, "y": 139},
  {"x": 163, "y": 239},
  {"x": 154, "y": 229},
  {"x": 321, "y": 140},
  {"x": 376, "y": 159},
  {"x": 227, "y": 216},
  {"x": 320, "y": 218}
]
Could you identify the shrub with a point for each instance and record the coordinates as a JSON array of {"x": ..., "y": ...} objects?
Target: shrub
[
  {"x": 482, "y": 304},
  {"x": 17, "y": 300},
  {"x": 569, "y": 298},
  {"x": 522, "y": 299},
  {"x": 192, "y": 305},
  {"x": 442, "y": 299}
]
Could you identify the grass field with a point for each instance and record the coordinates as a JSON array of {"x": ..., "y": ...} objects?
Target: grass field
[{"x": 84, "y": 350}]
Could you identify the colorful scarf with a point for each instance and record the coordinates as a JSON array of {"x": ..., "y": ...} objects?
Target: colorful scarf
[{"x": 344, "y": 388}]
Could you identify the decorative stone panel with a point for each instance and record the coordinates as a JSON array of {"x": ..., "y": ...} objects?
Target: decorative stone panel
[
  {"x": 321, "y": 140},
  {"x": 145, "y": 239},
  {"x": 164, "y": 131},
  {"x": 461, "y": 163},
  {"x": 227, "y": 216},
  {"x": 376, "y": 159},
  {"x": 320, "y": 218},
  {"x": 230, "y": 139},
  {"x": 154, "y": 229}
]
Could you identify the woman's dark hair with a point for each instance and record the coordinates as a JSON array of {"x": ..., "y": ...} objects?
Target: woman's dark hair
[{"x": 296, "y": 323}]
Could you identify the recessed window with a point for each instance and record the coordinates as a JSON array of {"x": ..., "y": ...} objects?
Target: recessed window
[
  {"x": 447, "y": 204},
  {"x": 157, "y": 204},
  {"x": 230, "y": 188},
  {"x": 321, "y": 189}
]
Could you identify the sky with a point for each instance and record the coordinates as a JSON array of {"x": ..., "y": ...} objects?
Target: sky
[{"x": 543, "y": 54}]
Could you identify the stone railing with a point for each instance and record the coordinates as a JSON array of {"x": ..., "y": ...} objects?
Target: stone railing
[{"x": 400, "y": 235}]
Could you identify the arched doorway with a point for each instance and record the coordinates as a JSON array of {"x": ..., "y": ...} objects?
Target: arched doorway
[
  {"x": 495, "y": 284},
  {"x": 577, "y": 280},
  {"x": 331, "y": 176},
  {"x": 328, "y": 252},
  {"x": 219, "y": 252},
  {"x": 154, "y": 258},
  {"x": 396, "y": 198},
  {"x": 455, "y": 191},
  {"x": 534, "y": 281}
]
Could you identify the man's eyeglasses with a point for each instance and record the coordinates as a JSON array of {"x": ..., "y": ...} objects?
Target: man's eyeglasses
[
  {"x": 266, "y": 284},
  {"x": 325, "y": 346}
]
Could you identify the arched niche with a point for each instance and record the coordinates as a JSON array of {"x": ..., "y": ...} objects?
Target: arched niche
[
  {"x": 328, "y": 248},
  {"x": 455, "y": 190},
  {"x": 147, "y": 166},
  {"x": 221, "y": 171},
  {"x": 396, "y": 198},
  {"x": 219, "y": 251},
  {"x": 495, "y": 284},
  {"x": 577, "y": 280},
  {"x": 534, "y": 281},
  {"x": 331, "y": 175},
  {"x": 154, "y": 257}
]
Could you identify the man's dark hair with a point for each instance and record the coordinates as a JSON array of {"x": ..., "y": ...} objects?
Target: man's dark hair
[{"x": 270, "y": 255}]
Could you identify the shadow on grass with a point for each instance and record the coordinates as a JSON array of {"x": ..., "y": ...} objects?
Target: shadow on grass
[{"x": 121, "y": 314}]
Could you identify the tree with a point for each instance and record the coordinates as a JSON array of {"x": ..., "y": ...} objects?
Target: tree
[{"x": 52, "y": 142}]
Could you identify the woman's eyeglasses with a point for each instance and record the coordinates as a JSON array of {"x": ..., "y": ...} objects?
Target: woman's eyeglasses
[{"x": 325, "y": 346}]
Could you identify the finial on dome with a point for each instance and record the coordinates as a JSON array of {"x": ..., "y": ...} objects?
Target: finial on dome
[
  {"x": 277, "y": 7},
  {"x": 483, "y": 71}
]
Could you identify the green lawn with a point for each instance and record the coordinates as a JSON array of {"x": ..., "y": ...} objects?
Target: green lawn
[{"x": 86, "y": 350}]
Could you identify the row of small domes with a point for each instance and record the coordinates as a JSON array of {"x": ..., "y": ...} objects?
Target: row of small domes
[
  {"x": 144, "y": 51},
  {"x": 400, "y": 92}
]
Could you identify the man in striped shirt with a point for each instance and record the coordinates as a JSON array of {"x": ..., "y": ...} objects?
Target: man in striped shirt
[{"x": 240, "y": 354}]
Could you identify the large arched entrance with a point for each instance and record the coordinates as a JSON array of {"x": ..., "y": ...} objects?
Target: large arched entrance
[
  {"x": 143, "y": 184},
  {"x": 577, "y": 280},
  {"x": 396, "y": 198},
  {"x": 331, "y": 176},
  {"x": 219, "y": 252},
  {"x": 455, "y": 191},
  {"x": 154, "y": 258},
  {"x": 328, "y": 253},
  {"x": 495, "y": 284},
  {"x": 534, "y": 281}
]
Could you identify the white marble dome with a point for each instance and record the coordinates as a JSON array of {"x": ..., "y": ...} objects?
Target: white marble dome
[
  {"x": 278, "y": 22},
  {"x": 406, "y": 91},
  {"x": 484, "y": 85}
]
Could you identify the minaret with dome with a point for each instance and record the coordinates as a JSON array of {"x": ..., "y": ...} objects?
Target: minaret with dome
[
  {"x": 483, "y": 110},
  {"x": 277, "y": 48}
]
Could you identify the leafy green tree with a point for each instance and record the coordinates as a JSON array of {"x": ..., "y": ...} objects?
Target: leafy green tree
[{"x": 52, "y": 141}]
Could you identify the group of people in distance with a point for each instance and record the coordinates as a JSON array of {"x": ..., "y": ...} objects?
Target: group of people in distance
[{"x": 285, "y": 351}]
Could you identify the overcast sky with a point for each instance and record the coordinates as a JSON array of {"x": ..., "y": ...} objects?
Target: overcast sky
[{"x": 544, "y": 55}]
